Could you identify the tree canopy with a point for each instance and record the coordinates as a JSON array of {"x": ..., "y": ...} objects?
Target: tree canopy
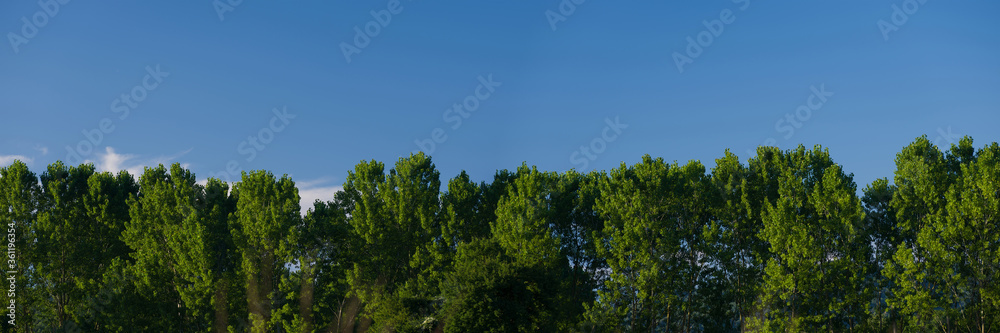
[{"x": 783, "y": 242}]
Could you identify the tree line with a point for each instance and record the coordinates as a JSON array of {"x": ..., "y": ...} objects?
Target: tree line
[{"x": 782, "y": 243}]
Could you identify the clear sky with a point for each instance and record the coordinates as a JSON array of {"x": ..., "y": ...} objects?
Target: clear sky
[{"x": 130, "y": 83}]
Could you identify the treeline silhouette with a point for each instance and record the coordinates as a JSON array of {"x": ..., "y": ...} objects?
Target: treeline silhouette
[{"x": 782, "y": 243}]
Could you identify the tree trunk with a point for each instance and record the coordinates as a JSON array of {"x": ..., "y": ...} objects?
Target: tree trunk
[
  {"x": 221, "y": 307},
  {"x": 253, "y": 304},
  {"x": 306, "y": 298},
  {"x": 266, "y": 287},
  {"x": 349, "y": 311}
]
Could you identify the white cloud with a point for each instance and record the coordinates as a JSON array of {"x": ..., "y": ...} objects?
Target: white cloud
[
  {"x": 114, "y": 162},
  {"x": 314, "y": 182},
  {"x": 6, "y": 160},
  {"x": 311, "y": 190},
  {"x": 42, "y": 149}
]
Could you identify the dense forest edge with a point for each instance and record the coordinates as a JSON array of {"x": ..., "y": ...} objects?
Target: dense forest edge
[{"x": 779, "y": 243}]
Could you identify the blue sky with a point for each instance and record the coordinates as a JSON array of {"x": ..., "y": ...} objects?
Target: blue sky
[{"x": 178, "y": 82}]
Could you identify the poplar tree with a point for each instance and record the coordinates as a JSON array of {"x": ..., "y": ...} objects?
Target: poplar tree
[
  {"x": 638, "y": 243},
  {"x": 525, "y": 220},
  {"x": 811, "y": 280},
  {"x": 575, "y": 224},
  {"x": 60, "y": 261},
  {"x": 395, "y": 218},
  {"x": 317, "y": 289},
  {"x": 739, "y": 194},
  {"x": 946, "y": 269},
  {"x": 516, "y": 280},
  {"x": 465, "y": 215},
  {"x": 19, "y": 193},
  {"x": 267, "y": 210},
  {"x": 180, "y": 238},
  {"x": 781, "y": 243},
  {"x": 107, "y": 207},
  {"x": 882, "y": 232}
]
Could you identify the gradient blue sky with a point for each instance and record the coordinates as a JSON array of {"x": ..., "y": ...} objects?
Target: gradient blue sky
[{"x": 936, "y": 75}]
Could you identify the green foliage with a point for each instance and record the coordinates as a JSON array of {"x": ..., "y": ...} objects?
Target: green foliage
[
  {"x": 170, "y": 240},
  {"x": 781, "y": 243},
  {"x": 525, "y": 221},
  {"x": 739, "y": 195},
  {"x": 267, "y": 210},
  {"x": 492, "y": 292},
  {"x": 62, "y": 217},
  {"x": 813, "y": 280},
  {"x": 19, "y": 195},
  {"x": 315, "y": 290},
  {"x": 465, "y": 217},
  {"x": 882, "y": 232},
  {"x": 656, "y": 238},
  {"x": 945, "y": 272},
  {"x": 575, "y": 223},
  {"x": 395, "y": 218}
]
